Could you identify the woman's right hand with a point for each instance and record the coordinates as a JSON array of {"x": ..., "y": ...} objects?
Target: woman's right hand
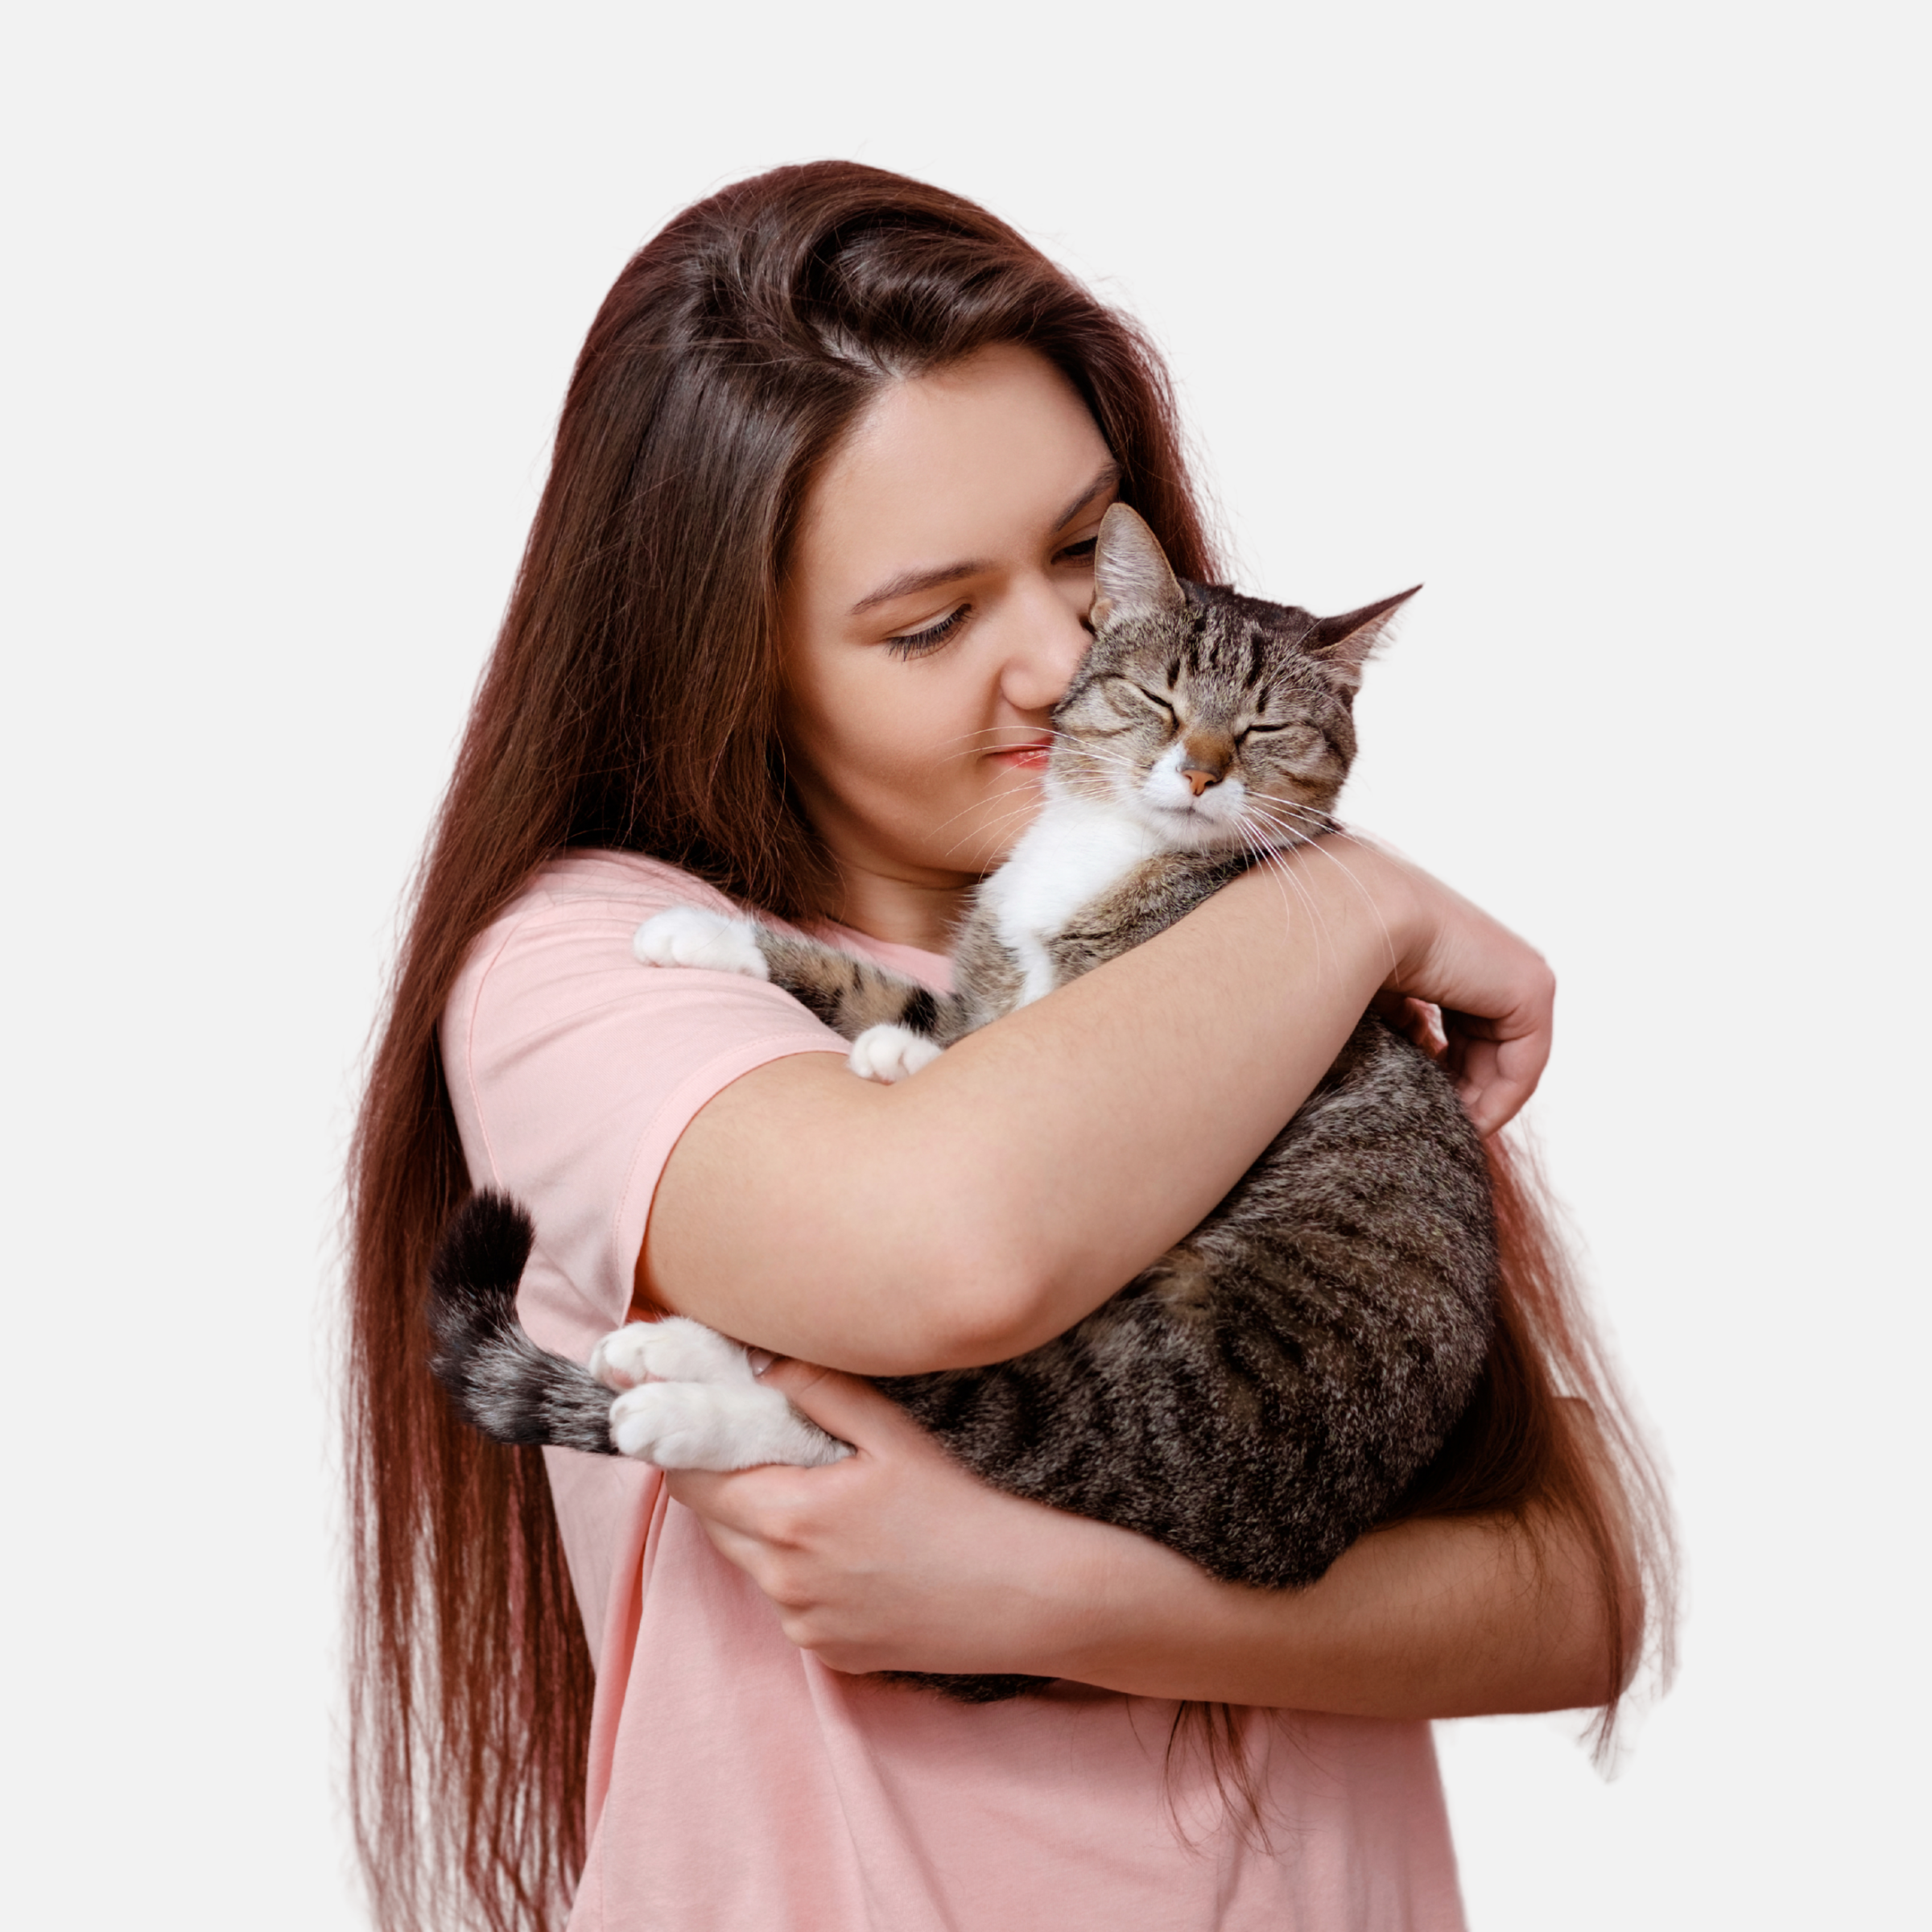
[{"x": 1486, "y": 997}]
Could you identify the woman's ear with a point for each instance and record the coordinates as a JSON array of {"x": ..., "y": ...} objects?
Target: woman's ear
[
  {"x": 1130, "y": 574},
  {"x": 1342, "y": 645}
]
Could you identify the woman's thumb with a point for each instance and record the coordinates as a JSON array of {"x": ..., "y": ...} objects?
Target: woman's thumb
[{"x": 841, "y": 1405}]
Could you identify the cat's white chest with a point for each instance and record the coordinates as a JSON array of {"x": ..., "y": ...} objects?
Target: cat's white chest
[{"x": 1071, "y": 855}]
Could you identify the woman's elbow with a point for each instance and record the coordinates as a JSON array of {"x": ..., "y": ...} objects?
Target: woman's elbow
[
  {"x": 983, "y": 1303},
  {"x": 1602, "y": 1618}
]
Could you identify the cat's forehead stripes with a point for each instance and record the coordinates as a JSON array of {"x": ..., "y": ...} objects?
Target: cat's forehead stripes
[{"x": 1254, "y": 657}]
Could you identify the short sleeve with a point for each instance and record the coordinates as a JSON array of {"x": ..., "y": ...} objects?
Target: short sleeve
[{"x": 573, "y": 1070}]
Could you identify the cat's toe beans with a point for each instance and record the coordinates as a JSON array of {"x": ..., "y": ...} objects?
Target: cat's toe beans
[
  {"x": 674, "y": 1425},
  {"x": 890, "y": 1054},
  {"x": 622, "y": 1359},
  {"x": 706, "y": 1426},
  {"x": 688, "y": 935},
  {"x": 638, "y": 1421}
]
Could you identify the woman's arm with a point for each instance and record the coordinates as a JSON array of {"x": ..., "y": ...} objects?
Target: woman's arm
[
  {"x": 980, "y": 1209},
  {"x": 898, "y": 1559}
]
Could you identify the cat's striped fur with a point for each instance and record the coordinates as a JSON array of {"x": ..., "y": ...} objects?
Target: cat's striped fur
[{"x": 1267, "y": 1389}]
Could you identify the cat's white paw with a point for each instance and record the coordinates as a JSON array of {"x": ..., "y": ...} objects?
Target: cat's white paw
[
  {"x": 891, "y": 1053},
  {"x": 688, "y": 935},
  {"x": 617, "y": 1361},
  {"x": 674, "y": 1350},
  {"x": 704, "y": 1426}
]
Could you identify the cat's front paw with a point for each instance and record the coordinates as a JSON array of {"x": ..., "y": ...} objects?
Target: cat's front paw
[
  {"x": 891, "y": 1053},
  {"x": 688, "y": 935},
  {"x": 674, "y": 1350},
  {"x": 703, "y": 1426}
]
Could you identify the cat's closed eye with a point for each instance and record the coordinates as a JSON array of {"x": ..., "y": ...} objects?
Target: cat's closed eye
[
  {"x": 1290, "y": 739},
  {"x": 1127, "y": 686}
]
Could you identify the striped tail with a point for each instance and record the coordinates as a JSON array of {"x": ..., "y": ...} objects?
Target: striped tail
[{"x": 498, "y": 1379}]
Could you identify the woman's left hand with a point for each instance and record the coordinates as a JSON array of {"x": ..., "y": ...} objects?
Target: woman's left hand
[{"x": 897, "y": 1558}]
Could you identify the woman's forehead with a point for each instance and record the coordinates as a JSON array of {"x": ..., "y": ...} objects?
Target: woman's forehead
[{"x": 968, "y": 468}]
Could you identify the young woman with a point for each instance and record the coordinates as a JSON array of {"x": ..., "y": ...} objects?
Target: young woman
[{"x": 808, "y": 576}]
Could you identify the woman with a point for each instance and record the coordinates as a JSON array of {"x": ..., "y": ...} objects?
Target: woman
[{"x": 808, "y": 575}]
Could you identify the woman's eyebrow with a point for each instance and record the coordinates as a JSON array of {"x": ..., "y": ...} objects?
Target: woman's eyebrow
[
  {"x": 908, "y": 582},
  {"x": 1110, "y": 478}
]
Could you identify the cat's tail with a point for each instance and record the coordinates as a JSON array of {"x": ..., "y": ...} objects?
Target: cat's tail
[{"x": 497, "y": 1378}]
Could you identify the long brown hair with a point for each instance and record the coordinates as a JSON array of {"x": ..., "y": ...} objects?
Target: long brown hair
[{"x": 632, "y": 701}]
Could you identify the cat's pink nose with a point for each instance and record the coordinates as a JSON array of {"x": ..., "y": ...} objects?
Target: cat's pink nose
[{"x": 1201, "y": 780}]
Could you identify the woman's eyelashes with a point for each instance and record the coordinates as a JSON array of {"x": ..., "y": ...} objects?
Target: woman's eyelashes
[{"x": 917, "y": 643}]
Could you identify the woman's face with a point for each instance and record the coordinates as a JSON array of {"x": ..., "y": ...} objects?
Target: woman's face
[{"x": 933, "y": 615}]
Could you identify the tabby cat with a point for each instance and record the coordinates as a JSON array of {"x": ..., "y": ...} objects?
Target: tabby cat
[{"x": 1267, "y": 1389}]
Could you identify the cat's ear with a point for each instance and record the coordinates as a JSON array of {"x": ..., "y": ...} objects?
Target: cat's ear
[
  {"x": 1342, "y": 645},
  {"x": 1130, "y": 574}
]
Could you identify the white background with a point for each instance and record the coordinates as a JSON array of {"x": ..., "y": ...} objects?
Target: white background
[{"x": 1609, "y": 322}]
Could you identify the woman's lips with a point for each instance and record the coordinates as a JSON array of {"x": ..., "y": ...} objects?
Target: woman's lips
[{"x": 1025, "y": 757}]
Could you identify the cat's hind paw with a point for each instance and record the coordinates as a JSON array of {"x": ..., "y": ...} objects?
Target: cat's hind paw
[
  {"x": 674, "y": 1350},
  {"x": 688, "y": 935},
  {"x": 889, "y": 1054},
  {"x": 703, "y": 1426}
]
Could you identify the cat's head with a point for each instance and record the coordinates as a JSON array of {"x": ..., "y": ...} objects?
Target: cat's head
[{"x": 1217, "y": 719}]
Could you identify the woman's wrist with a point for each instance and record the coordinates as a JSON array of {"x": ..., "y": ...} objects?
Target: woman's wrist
[
  {"x": 1436, "y": 1618},
  {"x": 1366, "y": 902}
]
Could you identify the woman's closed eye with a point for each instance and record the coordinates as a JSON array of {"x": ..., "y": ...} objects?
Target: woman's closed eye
[
  {"x": 917, "y": 643},
  {"x": 1077, "y": 553}
]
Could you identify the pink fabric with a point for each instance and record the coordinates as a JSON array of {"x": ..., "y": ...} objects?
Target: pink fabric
[{"x": 734, "y": 1781}]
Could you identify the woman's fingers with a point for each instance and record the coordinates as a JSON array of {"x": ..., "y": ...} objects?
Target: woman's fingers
[
  {"x": 1414, "y": 1019},
  {"x": 775, "y": 1504},
  {"x": 1497, "y": 995},
  {"x": 1498, "y": 1063},
  {"x": 844, "y": 1405}
]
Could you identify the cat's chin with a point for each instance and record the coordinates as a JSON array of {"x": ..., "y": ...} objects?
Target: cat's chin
[{"x": 1190, "y": 831}]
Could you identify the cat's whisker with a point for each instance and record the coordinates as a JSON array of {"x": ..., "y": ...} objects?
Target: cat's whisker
[
  {"x": 1272, "y": 820},
  {"x": 1275, "y": 822},
  {"x": 1026, "y": 812},
  {"x": 1276, "y": 862},
  {"x": 980, "y": 805},
  {"x": 1313, "y": 814},
  {"x": 1264, "y": 860},
  {"x": 1016, "y": 737},
  {"x": 984, "y": 731},
  {"x": 981, "y": 751},
  {"x": 1310, "y": 819},
  {"x": 1349, "y": 873},
  {"x": 993, "y": 828},
  {"x": 1081, "y": 741},
  {"x": 1029, "y": 804},
  {"x": 1103, "y": 757}
]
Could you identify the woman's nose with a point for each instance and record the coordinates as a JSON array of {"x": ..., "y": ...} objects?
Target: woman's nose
[{"x": 1048, "y": 643}]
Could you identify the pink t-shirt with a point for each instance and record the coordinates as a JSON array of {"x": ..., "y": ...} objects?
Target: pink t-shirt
[{"x": 736, "y": 1784}]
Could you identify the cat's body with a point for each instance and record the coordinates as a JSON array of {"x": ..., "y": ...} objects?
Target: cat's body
[{"x": 1267, "y": 1389}]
